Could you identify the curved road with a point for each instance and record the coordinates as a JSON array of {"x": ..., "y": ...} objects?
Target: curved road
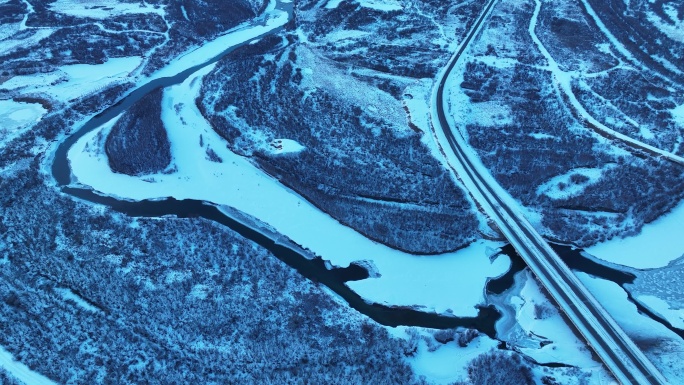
[{"x": 624, "y": 359}]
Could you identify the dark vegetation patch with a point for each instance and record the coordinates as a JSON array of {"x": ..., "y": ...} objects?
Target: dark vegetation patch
[
  {"x": 502, "y": 368},
  {"x": 619, "y": 88},
  {"x": 400, "y": 42},
  {"x": 573, "y": 34},
  {"x": 572, "y": 39},
  {"x": 43, "y": 102},
  {"x": 138, "y": 143},
  {"x": 8, "y": 379},
  {"x": 629, "y": 24},
  {"x": 183, "y": 301},
  {"x": 213, "y": 156},
  {"x": 12, "y": 11},
  {"x": 385, "y": 185},
  {"x": 638, "y": 190},
  {"x": 646, "y": 100},
  {"x": 211, "y": 17}
]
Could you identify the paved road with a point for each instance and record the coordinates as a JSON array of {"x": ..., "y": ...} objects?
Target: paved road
[{"x": 613, "y": 346}]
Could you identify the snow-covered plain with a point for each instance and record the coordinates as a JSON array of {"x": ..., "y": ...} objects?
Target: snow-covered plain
[
  {"x": 658, "y": 243},
  {"x": 449, "y": 363},
  {"x": 102, "y": 9},
  {"x": 448, "y": 283},
  {"x": 72, "y": 81},
  {"x": 16, "y": 117}
]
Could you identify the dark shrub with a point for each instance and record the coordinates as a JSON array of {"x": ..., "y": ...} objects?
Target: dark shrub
[
  {"x": 499, "y": 368},
  {"x": 138, "y": 143}
]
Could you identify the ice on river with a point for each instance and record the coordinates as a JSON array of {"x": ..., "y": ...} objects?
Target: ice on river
[
  {"x": 658, "y": 243},
  {"x": 447, "y": 283}
]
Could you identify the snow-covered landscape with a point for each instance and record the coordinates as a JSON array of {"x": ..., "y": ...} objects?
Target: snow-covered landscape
[{"x": 271, "y": 191}]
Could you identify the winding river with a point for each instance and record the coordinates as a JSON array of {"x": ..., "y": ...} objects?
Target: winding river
[{"x": 311, "y": 267}]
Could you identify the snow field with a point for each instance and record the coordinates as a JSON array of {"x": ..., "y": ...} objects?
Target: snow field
[
  {"x": 337, "y": 81},
  {"x": 548, "y": 325},
  {"x": 448, "y": 363},
  {"x": 563, "y": 186},
  {"x": 73, "y": 81},
  {"x": 102, "y": 9},
  {"x": 16, "y": 117},
  {"x": 284, "y": 146},
  {"x": 678, "y": 115},
  {"x": 674, "y": 31},
  {"x": 382, "y": 5},
  {"x": 659, "y": 243},
  {"x": 69, "y": 295}
]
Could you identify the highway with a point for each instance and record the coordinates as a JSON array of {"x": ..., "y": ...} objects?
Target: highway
[{"x": 620, "y": 355}]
